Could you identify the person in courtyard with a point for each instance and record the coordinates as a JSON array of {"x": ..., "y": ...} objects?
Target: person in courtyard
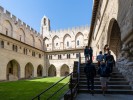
[
  {"x": 110, "y": 61},
  {"x": 90, "y": 72},
  {"x": 90, "y": 53},
  {"x": 104, "y": 73},
  {"x": 100, "y": 58},
  {"x": 86, "y": 54}
]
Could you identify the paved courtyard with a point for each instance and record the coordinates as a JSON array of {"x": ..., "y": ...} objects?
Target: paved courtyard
[{"x": 101, "y": 97}]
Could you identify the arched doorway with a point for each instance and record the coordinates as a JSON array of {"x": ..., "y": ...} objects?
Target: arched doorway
[
  {"x": 29, "y": 71},
  {"x": 39, "y": 71},
  {"x": 52, "y": 71},
  {"x": 114, "y": 37},
  {"x": 64, "y": 70},
  {"x": 13, "y": 70}
]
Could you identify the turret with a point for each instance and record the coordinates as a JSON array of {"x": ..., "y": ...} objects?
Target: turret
[{"x": 45, "y": 26}]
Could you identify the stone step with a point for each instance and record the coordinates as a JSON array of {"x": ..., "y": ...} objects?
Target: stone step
[
  {"x": 97, "y": 76},
  {"x": 82, "y": 69},
  {"x": 109, "y": 83},
  {"x": 110, "y": 91},
  {"x": 114, "y": 73},
  {"x": 125, "y": 87},
  {"x": 98, "y": 79}
]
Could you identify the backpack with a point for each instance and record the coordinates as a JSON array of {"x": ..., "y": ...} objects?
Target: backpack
[
  {"x": 110, "y": 59},
  {"x": 104, "y": 72}
]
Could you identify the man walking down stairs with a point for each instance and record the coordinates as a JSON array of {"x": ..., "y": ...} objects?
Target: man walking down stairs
[{"x": 118, "y": 87}]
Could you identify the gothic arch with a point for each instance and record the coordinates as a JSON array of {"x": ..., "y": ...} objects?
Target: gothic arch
[
  {"x": 52, "y": 70},
  {"x": 21, "y": 35},
  {"x": 8, "y": 28},
  {"x": 64, "y": 70},
  {"x": 46, "y": 43},
  {"x": 32, "y": 42},
  {"x": 29, "y": 70},
  {"x": 66, "y": 41},
  {"x": 39, "y": 71},
  {"x": 56, "y": 42},
  {"x": 13, "y": 70},
  {"x": 114, "y": 37},
  {"x": 79, "y": 40},
  {"x": 39, "y": 43}
]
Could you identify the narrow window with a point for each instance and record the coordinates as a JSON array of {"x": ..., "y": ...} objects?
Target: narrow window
[
  {"x": 2, "y": 44},
  {"x": 39, "y": 55},
  {"x": 20, "y": 37},
  {"x": 67, "y": 44},
  {"x": 77, "y": 55},
  {"x": 6, "y": 31},
  {"x": 16, "y": 48},
  {"x": 77, "y": 42},
  {"x": 56, "y": 44},
  {"x": 13, "y": 47}
]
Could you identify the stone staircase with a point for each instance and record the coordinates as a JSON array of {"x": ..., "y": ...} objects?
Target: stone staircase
[{"x": 116, "y": 85}]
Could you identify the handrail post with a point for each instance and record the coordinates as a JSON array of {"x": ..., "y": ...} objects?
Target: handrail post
[
  {"x": 38, "y": 97},
  {"x": 79, "y": 68},
  {"x": 71, "y": 87}
]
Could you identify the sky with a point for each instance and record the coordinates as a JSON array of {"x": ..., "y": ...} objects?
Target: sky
[{"x": 63, "y": 14}]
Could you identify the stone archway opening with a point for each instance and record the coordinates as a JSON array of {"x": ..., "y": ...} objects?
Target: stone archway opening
[
  {"x": 64, "y": 70},
  {"x": 13, "y": 70},
  {"x": 29, "y": 71},
  {"x": 52, "y": 71},
  {"x": 39, "y": 71},
  {"x": 114, "y": 38}
]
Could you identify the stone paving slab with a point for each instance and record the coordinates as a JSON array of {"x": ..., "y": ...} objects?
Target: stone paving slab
[{"x": 101, "y": 97}]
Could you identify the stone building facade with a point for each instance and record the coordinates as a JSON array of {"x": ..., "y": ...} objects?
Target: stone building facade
[
  {"x": 112, "y": 24},
  {"x": 25, "y": 53}
]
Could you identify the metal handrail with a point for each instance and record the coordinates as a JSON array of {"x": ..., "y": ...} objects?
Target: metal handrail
[
  {"x": 38, "y": 96},
  {"x": 71, "y": 83},
  {"x": 58, "y": 90}
]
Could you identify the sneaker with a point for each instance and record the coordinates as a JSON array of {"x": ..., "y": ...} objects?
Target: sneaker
[
  {"x": 103, "y": 93},
  {"x": 92, "y": 92}
]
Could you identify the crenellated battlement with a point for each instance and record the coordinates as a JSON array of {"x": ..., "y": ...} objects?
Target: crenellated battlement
[
  {"x": 18, "y": 21},
  {"x": 74, "y": 29}
]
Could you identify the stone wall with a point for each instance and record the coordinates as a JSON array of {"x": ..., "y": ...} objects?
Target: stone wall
[
  {"x": 8, "y": 54},
  {"x": 12, "y": 26},
  {"x": 114, "y": 26}
]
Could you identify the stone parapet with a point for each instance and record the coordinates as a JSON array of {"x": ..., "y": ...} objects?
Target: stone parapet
[{"x": 17, "y": 21}]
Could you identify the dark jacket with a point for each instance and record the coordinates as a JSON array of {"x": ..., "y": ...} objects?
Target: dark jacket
[
  {"x": 90, "y": 70},
  {"x": 86, "y": 52}
]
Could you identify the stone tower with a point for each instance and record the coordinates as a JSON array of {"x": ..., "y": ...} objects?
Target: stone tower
[{"x": 45, "y": 26}]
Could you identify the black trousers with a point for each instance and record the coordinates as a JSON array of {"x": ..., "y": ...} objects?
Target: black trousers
[
  {"x": 110, "y": 65},
  {"x": 90, "y": 82}
]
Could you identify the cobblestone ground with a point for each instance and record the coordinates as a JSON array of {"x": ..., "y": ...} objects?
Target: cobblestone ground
[{"x": 101, "y": 97}]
